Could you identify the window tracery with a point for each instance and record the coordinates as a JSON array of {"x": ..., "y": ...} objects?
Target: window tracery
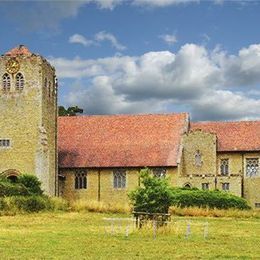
[
  {"x": 81, "y": 180},
  {"x": 224, "y": 167},
  {"x": 119, "y": 178},
  {"x": 198, "y": 158},
  {"x": 252, "y": 167},
  {"x": 19, "y": 81},
  {"x": 6, "y": 81}
]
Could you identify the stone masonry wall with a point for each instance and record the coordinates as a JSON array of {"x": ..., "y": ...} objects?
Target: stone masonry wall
[
  {"x": 100, "y": 185},
  {"x": 22, "y": 120},
  {"x": 205, "y": 144}
]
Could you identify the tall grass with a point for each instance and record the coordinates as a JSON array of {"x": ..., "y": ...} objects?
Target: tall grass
[
  {"x": 208, "y": 212},
  {"x": 99, "y": 206}
]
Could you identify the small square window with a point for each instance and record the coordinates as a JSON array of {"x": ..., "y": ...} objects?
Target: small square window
[
  {"x": 5, "y": 143},
  {"x": 205, "y": 186},
  {"x": 225, "y": 186},
  {"x": 257, "y": 204}
]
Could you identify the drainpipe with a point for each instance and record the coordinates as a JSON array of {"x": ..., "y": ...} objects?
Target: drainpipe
[
  {"x": 99, "y": 185},
  {"x": 242, "y": 177}
]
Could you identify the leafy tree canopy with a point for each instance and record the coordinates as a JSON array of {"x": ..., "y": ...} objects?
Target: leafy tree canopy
[
  {"x": 70, "y": 111},
  {"x": 153, "y": 196}
]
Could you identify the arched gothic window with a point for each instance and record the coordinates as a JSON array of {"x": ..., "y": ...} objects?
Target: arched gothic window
[
  {"x": 198, "y": 158},
  {"x": 6, "y": 82},
  {"x": 187, "y": 185},
  {"x": 119, "y": 178},
  {"x": 19, "y": 81},
  {"x": 80, "y": 180}
]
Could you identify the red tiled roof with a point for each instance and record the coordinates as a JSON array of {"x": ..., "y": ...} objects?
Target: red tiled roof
[
  {"x": 120, "y": 140},
  {"x": 233, "y": 136},
  {"x": 19, "y": 50}
]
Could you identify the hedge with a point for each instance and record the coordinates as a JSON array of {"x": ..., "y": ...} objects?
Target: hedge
[{"x": 211, "y": 199}]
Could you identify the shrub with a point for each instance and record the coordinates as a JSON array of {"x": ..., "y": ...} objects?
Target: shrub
[
  {"x": 2, "y": 204},
  {"x": 211, "y": 199},
  {"x": 154, "y": 195},
  {"x": 31, "y": 182},
  {"x": 12, "y": 189},
  {"x": 30, "y": 203}
]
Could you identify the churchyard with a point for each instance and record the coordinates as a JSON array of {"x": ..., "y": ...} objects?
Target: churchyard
[{"x": 86, "y": 235}]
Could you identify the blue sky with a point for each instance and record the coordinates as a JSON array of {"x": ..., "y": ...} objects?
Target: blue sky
[{"x": 146, "y": 56}]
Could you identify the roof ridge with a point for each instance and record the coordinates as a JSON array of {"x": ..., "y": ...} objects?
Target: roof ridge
[
  {"x": 225, "y": 122},
  {"x": 126, "y": 115}
]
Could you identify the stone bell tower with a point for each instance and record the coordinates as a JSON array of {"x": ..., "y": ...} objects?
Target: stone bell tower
[{"x": 28, "y": 117}]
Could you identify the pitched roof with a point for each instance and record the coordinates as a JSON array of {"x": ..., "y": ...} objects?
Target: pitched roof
[
  {"x": 120, "y": 140},
  {"x": 19, "y": 50},
  {"x": 233, "y": 136}
]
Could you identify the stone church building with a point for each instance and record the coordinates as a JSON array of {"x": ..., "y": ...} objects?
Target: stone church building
[{"x": 99, "y": 157}]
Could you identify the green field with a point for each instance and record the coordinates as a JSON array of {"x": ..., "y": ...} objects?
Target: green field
[{"x": 90, "y": 236}]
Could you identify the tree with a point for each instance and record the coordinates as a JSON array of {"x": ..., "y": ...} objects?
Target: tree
[
  {"x": 71, "y": 111},
  {"x": 154, "y": 194}
]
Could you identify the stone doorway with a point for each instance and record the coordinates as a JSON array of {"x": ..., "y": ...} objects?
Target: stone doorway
[{"x": 11, "y": 175}]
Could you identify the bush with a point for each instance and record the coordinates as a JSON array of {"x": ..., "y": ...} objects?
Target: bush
[
  {"x": 154, "y": 195},
  {"x": 2, "y": 204},
  {"x": 12, "y": 189},
  {"x": 211, "y": 199},
  {"x": 30, "y": 203},
  {"x": 31, "y": 182}
]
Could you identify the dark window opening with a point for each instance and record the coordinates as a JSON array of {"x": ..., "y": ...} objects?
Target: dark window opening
[{"x": 81, "y": 180}]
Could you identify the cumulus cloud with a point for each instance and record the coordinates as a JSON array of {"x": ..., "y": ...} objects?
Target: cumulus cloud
[
  {"x": 99, "y": 37},
  {"x": 162, "y": 3},
  {"x": 211, "y": 84},
  {"x": 169, "y": 38},
  {"x": 80, "y": 39},
  {"x": 105, "y": 36}
]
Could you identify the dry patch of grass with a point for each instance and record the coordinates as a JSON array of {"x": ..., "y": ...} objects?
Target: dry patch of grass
[{"x": 207, "y": 212}]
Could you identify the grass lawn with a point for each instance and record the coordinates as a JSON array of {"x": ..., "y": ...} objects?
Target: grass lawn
[{"x": 88, "y": 236}]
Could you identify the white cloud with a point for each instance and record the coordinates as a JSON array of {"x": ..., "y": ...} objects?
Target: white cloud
[
  {"x": 105, "y": 36},
  {"x": 107, "y": 4},
  {"x": 169, "y": 38},
  {"x": 99, "y": 37},
  {"x": 80, "y": 39},
  {"x": 162, "y": 3},
  {"x": 211, "y": 84}
]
